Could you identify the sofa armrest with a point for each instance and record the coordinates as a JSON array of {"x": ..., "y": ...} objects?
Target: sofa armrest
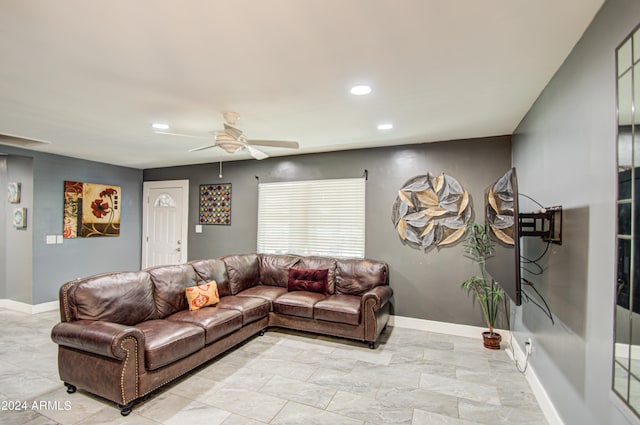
[
  {"x": 99, "y": 337},
  {"x": 380, "y": 294}
]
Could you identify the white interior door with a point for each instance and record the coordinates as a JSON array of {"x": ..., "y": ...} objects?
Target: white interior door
[{"x": 165, "y": 221}]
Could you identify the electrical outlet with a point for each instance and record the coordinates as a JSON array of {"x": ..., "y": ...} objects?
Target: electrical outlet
[{"x": 528, "y": 345}]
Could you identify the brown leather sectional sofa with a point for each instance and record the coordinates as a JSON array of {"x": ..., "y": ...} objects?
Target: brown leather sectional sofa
[{"x": 123, "y": 335}]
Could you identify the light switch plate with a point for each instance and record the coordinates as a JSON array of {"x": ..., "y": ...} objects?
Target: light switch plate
[
  {"x": 51, "y": 240},
  {"x": 198, "y": 228},
  {"x": 59, "y": 239}
]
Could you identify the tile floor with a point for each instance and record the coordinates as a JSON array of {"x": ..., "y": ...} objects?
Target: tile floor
[{"x": 413, "y": 377}]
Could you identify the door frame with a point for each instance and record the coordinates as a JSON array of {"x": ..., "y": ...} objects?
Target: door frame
[{"x": 146, "y": 187}]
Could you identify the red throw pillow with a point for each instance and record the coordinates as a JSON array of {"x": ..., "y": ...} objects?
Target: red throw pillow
[{"x": 312, "y": 280}]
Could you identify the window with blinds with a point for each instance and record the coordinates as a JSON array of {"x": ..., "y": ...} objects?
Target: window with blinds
[{"x": 316, "y": 217}]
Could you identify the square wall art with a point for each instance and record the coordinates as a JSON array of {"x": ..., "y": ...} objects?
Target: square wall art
[{"x": 91, "y": 210}]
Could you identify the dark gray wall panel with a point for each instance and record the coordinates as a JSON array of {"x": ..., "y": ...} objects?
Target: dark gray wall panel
[
  {"x": 426, "y": 286},
  {"x": 564, "y": 151}
]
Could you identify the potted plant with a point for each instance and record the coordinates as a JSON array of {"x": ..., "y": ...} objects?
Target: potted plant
[{"x": 479, "y": 246}]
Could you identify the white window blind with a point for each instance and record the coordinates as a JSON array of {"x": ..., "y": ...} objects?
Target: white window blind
[{"x": 316, "y": 217}]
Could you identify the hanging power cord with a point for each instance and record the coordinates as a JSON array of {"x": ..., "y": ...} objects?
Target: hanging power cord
[
  {"x": 537, "y": 272},
  {"x": 544, "y": 307},
  {"x": 546, "y": 249},
  {"x": 527, "y": 345},
  {"x": 546, "y": 310},
  {"x": 531, "y": 199}
]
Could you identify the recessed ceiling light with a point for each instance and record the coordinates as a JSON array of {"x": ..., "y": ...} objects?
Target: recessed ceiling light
[
  {"x": 385, "y": 126},
  {"x": 360, "y": 90},
  {"x": 160, "y": 126}
]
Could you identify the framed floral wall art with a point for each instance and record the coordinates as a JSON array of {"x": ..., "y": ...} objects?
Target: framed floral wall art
[{"x": 91, "y": 210}]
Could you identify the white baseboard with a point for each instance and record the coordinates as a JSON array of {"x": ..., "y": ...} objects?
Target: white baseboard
[
  {"x": 443, "y": 327},
  {"x": 29, "y": 308},
  {"x": 547, "y": 407}
]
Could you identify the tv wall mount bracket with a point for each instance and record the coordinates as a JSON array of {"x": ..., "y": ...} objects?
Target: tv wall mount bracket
[{"x": 545, "y": 223}]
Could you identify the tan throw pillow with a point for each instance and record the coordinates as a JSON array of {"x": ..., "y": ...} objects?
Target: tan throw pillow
[{"x": 202, "y": 295}]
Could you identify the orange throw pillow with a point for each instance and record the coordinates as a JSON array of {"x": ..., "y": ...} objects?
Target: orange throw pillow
[{"x": 202, "y": 295}]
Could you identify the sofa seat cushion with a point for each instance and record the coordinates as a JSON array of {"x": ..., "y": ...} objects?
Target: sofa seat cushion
[
  {"x": 252, "y": 309},
  {"x": 265, "y": 292},
  {"x": 166, "y": 341},
  {"x": 339, "y": 308},
  {"x": 297, "y": 303},
  {"x": 216, "y": 322}
]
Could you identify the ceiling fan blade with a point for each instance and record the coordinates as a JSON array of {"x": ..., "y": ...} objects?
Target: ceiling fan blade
[
  {"x": 232, "y": 131},
  {"x": 183, "y": 135},
  {"x": 256, "y": 153},
  {"x": 201, "y": 148},
  {"x": 274, "y": 143}
]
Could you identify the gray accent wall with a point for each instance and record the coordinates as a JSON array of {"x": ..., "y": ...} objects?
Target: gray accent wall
[
  {"x": 426, "y": 286},
  {"x": 35, "y": 270},
  {"x": 565, "y": 153}
]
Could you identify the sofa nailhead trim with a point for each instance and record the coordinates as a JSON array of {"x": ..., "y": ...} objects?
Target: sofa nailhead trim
[
  {"x": 124, "y": 367},
  {"x": 65, "y": 301}
]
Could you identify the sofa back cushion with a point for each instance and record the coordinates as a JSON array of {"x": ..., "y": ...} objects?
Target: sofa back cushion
[
  {"x": 213, "y": 269},
  {"x": 125, "y": 298},
  {"x": 321, "y": 263},
  {"x": 169, "y": 284},
  {"x": 274, "y": 268},
  {"x": 243, "y": 271},
  {"x": 357, "y": 276}
]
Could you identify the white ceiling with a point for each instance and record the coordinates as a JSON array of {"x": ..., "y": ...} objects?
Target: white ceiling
[{"x": 90, "y": 77}]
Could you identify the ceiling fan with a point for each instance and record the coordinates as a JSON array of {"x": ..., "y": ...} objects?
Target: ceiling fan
[{"x": 232, "y": 139}]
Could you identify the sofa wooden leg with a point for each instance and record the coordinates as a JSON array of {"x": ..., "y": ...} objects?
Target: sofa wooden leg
[
  {"x": 70, "y": 388},
  {"x": 372, "y": 344},
  {"x": 125, "y": 409}
]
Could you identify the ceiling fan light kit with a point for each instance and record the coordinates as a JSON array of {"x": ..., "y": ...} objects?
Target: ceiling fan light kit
[{"x": 232, "y": 139}]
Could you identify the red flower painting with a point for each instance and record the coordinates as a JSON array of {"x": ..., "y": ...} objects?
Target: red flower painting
[
  {"x": 99, "y": 208},
  {"x": 91, "y": 210}
]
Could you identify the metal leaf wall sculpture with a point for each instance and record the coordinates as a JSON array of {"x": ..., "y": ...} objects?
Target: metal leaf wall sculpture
[
  {"x": 500, "y": 208},
  {"x": 431, "y": 211}
]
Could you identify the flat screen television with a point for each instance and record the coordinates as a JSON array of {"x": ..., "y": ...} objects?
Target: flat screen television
[{"x": 501, "y": 215}]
